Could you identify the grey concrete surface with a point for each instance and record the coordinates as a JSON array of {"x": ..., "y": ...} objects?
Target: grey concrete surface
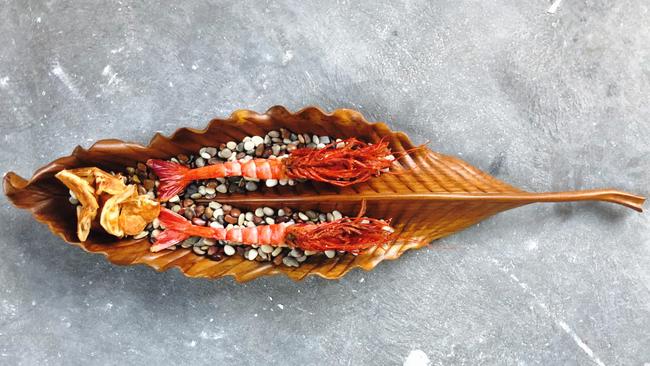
[{"x": 543, "y": 101}]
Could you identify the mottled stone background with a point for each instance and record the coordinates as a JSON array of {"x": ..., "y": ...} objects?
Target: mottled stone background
[{"x": 545, "y": 101}]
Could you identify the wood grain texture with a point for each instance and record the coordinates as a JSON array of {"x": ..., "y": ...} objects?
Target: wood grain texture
[{"x": 431, "y": 196}]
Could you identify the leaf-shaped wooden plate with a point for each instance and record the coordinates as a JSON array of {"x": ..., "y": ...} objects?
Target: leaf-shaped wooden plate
[{"x": 435, "y": 196}]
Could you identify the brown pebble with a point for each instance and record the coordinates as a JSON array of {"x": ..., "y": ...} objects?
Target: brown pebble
[
  {"x": 212, "y": 185},
  {"x": 182, "y": 158},
  {"x": 208, "y": 212},
  {"x": 258, "y": 220},
  {"x": 278, "y": 260},
  {"x": 189, "y": 213},
  {"x": 259, "y": 150},
  {"x": 240, "y": 250},
  {"x": 235, "y": 212},
  {"x": 226, "y": 208},
  {"x": 278, "y": 220},
  {"x": 199, "y": 209},
  {"x": 240, "y": 155},
  {"x": 285, "y": 133},
  {"x": 148, "y": 184},
  {"x": 230, "y": 219},
  {"x": 198, "y": 221},
  {"x": 287, "y": 211},
  {"x": 222, "y": 146},
  {"x": 187, "y": 202},
  {"x": 142, "y": 190},
  {"x": 142, "y": 167}
]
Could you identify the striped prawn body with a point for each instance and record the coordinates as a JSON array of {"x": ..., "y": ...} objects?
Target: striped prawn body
[
  {"x": 342, "y": 234},
  {"x": 254, "y": 169},
  {"x": 352, "y": 163}
]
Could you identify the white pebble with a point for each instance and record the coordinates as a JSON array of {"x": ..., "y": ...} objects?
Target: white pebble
[
  {"x": 249, "y": 216},
  {"x": 257, "y": 140},
  {"x": 250, "y": 224},
  {"x": 276, "y": 251},
  {"x": 330, "y": 253},
  {"x": 214, "y": 205},
  {"x": 388, "y": 228},
  {"x": 205, "y": 155},
  {"x": 283, "y": 182},
  {"x": 216, "y": 225},
  {"x": 315, "y": 139},
  {"x": 225, "y": 153},
  {"x": 222, "y": 188},
  {"x": 274, "y": 134},
  {"x": 310, "y": 252},
  {"x": 267, "y": 248},
  {"x": 229, "y": 250},
  {"x": 271, "y": 182},
  {"x": 208, "y": 241},
  {"x": 241, "y": 219},
  {"x": 73, "y": 200},
  {"x": 259, "y": 212},
  {"x": 218, "y": 212},
  {"x": 175, "y": 199},
  {"x": 251, "y": 254},
  {"x": 72, "y": 195},
  {"x": 330, "y": 217},
  {"x": 249, "y": 145},
  {"x": 303, "y": 217},
  {"x": 202, "y": 190},
  {"x": 280, "y": 212},
  {"x": 295, "y": 253},
  {"x": 320, "y": 146},
  {"x": 210, "y": 190},
  {"x": 269, "y": 220},
  {"x": 268, "y": 211},
  {"x": 290, "y": 262},
  {"x": 232, "y": 145},
  {"x": 156, "y": 223},
  {"x": 337, "y": 215}
]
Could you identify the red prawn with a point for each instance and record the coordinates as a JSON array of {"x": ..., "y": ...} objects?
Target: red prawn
[
  {"x": 349, "y": 234},
  {"x": 354, "y": 162}
]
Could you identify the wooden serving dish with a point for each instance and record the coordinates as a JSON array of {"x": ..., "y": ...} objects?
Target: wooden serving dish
[{"x": 434, "y": 196}]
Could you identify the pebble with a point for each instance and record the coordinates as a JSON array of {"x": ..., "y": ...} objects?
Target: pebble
[
  {"x": 241, "y": 219},
  {"x": 290, "y": 262},
  {"x": 251, "y": 186},
  {"x": 214, "y": 205},
  {"x": 303, "y": 216},
  {"x": 276, "y": 251},
  {"x": 208, "y": 241},
  {"x": 222, "y": 188},
  {"x": 210, "y": 191},
  {"x": 225, "y": 153},
  {"x": 229, "y": 250},
  {"x": 199, "y": 162},
  {"x": 257, "y": 140},
  {"x": 271, "y": 182},
  {"x": 198, "y": 250},
  {"x": 269, "y": 220},
  {"x": 249, "y": 216},
  {"x": 232, "y": 145},
  {"x": 174, "y": 199},
  {"x": 249, "y": 145},
  {"x": 267, "y": 249},
  {"x": 268, "y": 211},
  {"x": 337, "y": 215},
  {"x": 274, "y": 134},
  {"x": 251, "y": 254},
  {"x": 259, "y": 212},
  {"x": 330, "y": 253}
]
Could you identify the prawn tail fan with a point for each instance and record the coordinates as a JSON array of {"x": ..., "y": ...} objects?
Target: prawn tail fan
[
  {"x": 349, "y": 234},
  {"x": 173, "y": 177},
  {"x": 175, "y": 230},
  {"x": 352, "y": 163}
]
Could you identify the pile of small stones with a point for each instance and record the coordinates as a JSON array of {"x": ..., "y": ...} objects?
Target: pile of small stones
[
  {"x": 194, "y": 203},
  {"x": 275, "y": 144},
  {"x": 197, "y": 202}
]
